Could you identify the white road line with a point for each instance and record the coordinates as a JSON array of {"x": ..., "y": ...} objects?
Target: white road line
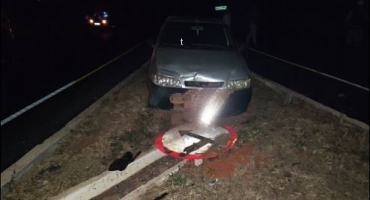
[
  {"x": 13, "y": 116},
  {"x": 38, "y": 153},
  {"x": 20, "y": 112},
  {"x": 312, "y": 70}
]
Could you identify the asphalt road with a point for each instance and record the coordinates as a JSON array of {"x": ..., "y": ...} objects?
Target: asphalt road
[
  {"x": 350, "y": 100},
  {"x": 37, "y": 74},
  {"x": 49, "y": 65}
]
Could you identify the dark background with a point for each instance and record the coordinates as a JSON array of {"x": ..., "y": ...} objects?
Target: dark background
[{"x": 53, "y": 45}]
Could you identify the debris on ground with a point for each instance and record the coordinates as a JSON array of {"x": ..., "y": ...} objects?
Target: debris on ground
[{"x": 284, "y": 151}]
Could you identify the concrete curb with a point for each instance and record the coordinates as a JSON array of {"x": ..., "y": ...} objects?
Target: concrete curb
[
  {"x": 103, "y": 182},
  {"x": 97, "y": 185},
  {"x": 157, "y": 181},
  {"x": 290, "y": 94},
  {"x": 11, "y": 175}
]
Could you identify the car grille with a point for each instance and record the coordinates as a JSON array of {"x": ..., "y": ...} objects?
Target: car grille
[{"x": 204, "y": 84}]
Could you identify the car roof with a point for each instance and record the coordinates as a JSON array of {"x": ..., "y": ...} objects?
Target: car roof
[
  {"x": 100, "y": 12},
  {"x": 193, "y": 19}
]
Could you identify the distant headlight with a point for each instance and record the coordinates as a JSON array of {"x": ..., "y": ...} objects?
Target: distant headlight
[
  {"x": 165, "y": 81},
  {"x": 104, "y": 21},
  {"x": 91, "y": 21},
  {"x": 239, "y": 84}
]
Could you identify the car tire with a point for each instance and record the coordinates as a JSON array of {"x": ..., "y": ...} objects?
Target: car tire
[
  {"x": 151, "y": 101},
  {"x": 149, "y": 105}
]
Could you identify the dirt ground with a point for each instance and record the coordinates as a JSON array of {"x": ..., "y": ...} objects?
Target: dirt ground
[{"x": 284, "y": 151}]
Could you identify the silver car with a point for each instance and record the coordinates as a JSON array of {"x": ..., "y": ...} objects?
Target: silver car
[{"x": 198, "y": 55}]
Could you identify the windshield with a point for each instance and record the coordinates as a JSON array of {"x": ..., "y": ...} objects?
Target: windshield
[
  {"x": 195, "y": 35},
  {"x": 101, "y": 14}
]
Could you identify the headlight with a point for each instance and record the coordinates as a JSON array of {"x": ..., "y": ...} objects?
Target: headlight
[
  {"x": 165, "y": 81},
  {"x": 104, "y": 21},
  {"x": 239, "y": 84},
  {"x": 91, "y": 21}
]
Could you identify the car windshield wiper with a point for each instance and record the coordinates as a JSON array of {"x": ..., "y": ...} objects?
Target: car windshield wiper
[
  {"x": 208, "y": 45},
  {"x": 175, "y": 45}
]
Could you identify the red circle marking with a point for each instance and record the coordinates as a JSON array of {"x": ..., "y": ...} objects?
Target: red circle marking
[{"x": 160, "y": 146}]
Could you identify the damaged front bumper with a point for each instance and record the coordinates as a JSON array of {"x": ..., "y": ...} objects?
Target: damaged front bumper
[{"x": 160, "y": 97}]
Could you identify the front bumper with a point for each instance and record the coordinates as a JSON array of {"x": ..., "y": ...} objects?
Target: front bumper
[{"x": 236, "y": 103}]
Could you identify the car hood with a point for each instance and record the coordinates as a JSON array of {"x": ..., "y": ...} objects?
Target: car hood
[{"x": 199, "y": 65}]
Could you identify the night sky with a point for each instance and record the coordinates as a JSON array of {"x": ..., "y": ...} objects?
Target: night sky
[{"x": 325, "y": 17}]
